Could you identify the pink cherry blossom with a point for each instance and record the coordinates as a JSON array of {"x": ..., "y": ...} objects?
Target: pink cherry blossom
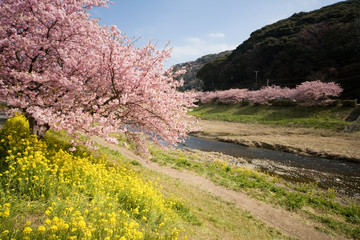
[
  {"x": 63, "y": 70},
  {"x": 307, "y": 93},
  {"x": 316, "y": 92}
]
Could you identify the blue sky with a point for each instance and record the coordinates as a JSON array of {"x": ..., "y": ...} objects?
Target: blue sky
[{"x": 195, "y": 28}]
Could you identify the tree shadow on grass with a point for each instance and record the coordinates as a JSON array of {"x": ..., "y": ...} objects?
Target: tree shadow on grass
[
  {"x": 250, "y": 110},
  {"x": 214, "y": 108}
]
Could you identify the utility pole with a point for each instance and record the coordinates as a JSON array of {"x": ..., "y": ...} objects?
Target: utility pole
[{"x": 267, "y": 82}]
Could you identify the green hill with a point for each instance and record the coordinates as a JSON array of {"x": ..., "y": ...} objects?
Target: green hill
[
  {"x": 192, "y": 67},
  {"x": 323, "y": 44}
]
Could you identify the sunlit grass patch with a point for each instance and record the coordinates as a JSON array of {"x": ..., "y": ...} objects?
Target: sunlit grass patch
[
  {"x": 219, "y": 219},
  {"x": 294, "y": 197}
]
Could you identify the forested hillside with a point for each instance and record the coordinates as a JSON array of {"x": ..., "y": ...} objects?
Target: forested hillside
[
  {"x": 189, "y": 77},
  {"x": 323, "y": 44}
]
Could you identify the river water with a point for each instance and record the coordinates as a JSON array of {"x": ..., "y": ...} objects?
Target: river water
[{"x": 340, "y": 175}]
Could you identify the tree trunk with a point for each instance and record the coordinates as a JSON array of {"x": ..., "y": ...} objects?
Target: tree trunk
[{"x": 38, "y": 129}]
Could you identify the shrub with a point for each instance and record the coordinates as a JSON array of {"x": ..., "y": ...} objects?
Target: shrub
[
  {"x": 349, "y": 103},
  {"x": 334, "y": 103}
]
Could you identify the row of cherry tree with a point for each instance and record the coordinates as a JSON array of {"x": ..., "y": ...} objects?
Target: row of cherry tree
[
  {"x": 61, "y": 69},
  {"x": 308, "y": 93}
]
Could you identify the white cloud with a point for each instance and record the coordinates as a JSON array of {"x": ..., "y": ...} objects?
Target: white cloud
[
  {"x": 216, "y": 35},
  {"x": 194, "y": 40}
]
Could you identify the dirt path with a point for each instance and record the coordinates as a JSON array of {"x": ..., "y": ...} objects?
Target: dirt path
[
  {"x": 315, "y": 142},
  {"x": 285, "y": 221}
]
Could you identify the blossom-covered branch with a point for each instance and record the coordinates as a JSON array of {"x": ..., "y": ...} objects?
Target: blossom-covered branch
[{"x": 62, "y": 70}]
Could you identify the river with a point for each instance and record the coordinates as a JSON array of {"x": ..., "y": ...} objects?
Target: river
[{"x": 343, "y": 176}]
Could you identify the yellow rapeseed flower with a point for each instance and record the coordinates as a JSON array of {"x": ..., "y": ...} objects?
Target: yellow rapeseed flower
[
  {"x": 81, "y": 224},
  {"x": 27, "y": 230},
  {"x": 47, "y": 222},
  {"x": 41, "y": 229},
  {"x": 52, "y": 172},
  {"x": 54, "y": 228},
  {"x": 5, "y": 213}
]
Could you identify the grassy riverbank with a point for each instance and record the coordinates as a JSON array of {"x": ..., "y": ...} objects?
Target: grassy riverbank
[
  {"x": 47, "y": 192},
  {"x": 325, "y": 210},
  {"x": 323, "y": 117}
]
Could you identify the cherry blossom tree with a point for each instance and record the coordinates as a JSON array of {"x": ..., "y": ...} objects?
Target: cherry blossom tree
[
  {"x": 62, "y": 70},
  {"x": 308, "y": 93},
  {"x": 206, "y": 97},
  {"x": 316, "y": 92},
  {"x": 265, "y": 94},
  {"x": 232, "y": 95},
  {"x": 226, "y": 96}
]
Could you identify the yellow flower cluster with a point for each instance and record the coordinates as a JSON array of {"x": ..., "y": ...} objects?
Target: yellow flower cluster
[
  {"x": 81, "y": 197},
  {"x": 5, "y": 210},
  {"x": 220, "y": 164}
]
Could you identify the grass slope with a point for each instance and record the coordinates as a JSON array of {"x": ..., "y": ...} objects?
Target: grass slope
[
  {"x": 326, "y": 117},
  {"x": 46, "y": 192},
  {"x": 325, "y": 210}
]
